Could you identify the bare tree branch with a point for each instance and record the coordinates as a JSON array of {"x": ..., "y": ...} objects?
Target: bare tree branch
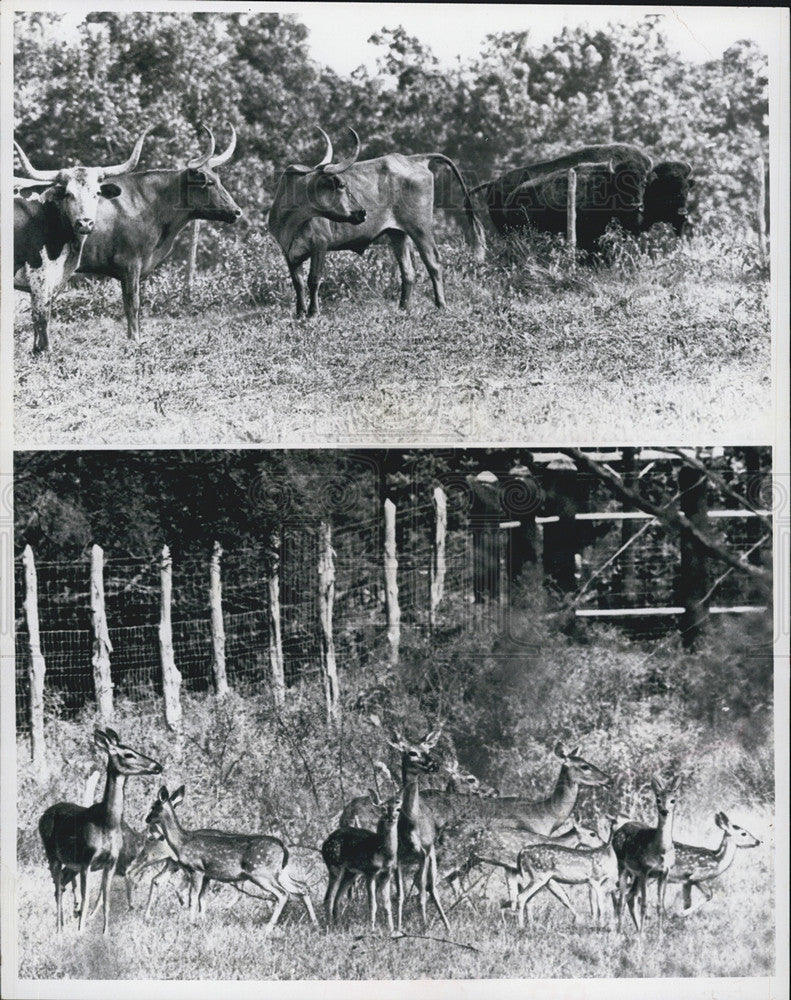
[
  {"x": 671, "y": 517},
  {"x": 720, "y": 483}
]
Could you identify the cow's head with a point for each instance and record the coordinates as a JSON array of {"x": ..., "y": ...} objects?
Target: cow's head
[
  {"x": 666, "y": 194},
  {"x": 77, "y": 190},
  {"x": 206, "y": 198},
  {"x": 325, "y": 186}
]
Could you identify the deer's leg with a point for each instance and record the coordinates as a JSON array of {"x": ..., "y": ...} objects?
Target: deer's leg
[
  {"x": 84, "y": 882},
  {"x": 661, "y": 889},
  {"x": 281, "y": 897},
  {"x": 689, "y": 907},
  {"x": 370, "y": 884},
  {"x": 57, "y": 875},
  {"x": 331, "y": 895},
  {"x": 423, "y": 888},
  {"x": 560, "y": 893},
  {"x": 128, "y": 884},
  {"x": 107, "y": 881},
  {"x": 432, "y": 886},
  {"x": 399, "y": 896},
  {"x": 387, "y": 902},
  {"x": 526, "y": 895},
  {"x": 643, "y": 880},
  {"x": 196, "y": 884},
  {"x": 630, "y": 899}
]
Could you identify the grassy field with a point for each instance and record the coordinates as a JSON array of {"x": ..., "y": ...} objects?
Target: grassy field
[
  {"x": 667, "y": 343},
  {"x": 734, "y": 937},
  {"x": 248, "y": 767}
]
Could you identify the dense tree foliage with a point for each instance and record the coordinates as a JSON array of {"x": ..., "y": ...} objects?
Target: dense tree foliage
[{"x": 514, "y": 103}]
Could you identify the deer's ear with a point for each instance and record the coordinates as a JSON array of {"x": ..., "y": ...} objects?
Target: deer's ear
[
  {"x": 163, "y": 794},
  {"x": 112, "y": 736},
  {"x": 560, "y": 750},
  {"x": 656, "y": 784},
  {"x": 431, "y": 739},
  {"x": 674, "y": 784},
  {"x": 177, "y": 796},
  {"x": 575, "y": 752}
]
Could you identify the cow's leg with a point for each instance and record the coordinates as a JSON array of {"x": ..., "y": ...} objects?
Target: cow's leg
[
  {"x": 403, "y": 255},
  {"x": 298, "y": 280},
  {"x": 130, "y": 292},
  {"x": 427, "y": 248},
  {"x": 314, "y": 280}
]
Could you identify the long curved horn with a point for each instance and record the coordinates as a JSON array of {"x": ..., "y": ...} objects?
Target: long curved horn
[
  {"x": 338, "y": 168},
  {"x": 30, "y": 171},
  {"x": 200, "y": 161},
  {"x": 328, "y": 154},
  {"x": 217, "y": 161},
  {"x": 131, "y": 163}
]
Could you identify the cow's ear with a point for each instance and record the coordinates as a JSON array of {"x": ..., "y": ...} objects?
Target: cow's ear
[
  {"x": 56, "y": 193},
  {"x": 691, "y": 182},
  {"x": 109, "y": 190}
]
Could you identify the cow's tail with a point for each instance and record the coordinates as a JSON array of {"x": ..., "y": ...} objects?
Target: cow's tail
[{"x": 476, "y": 235}]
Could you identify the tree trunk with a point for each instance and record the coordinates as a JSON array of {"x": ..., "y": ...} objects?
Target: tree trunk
[
  {"x": 437, "y": 586},
  {"x": 326, "y": 601},
  {"x": 275, "y": 634},
  {"x": 571, "y": 210},
  {"x": 217, "y": 623},
  {"x": 391, "y": 583},
  {"x": 693, "y": 580},
  {"x": 36, "y": 670},
  {"x": 102, "y": 647},
  {"x": 171, "y": 675}
]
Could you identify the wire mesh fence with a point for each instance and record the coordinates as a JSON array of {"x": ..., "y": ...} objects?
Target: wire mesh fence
[{"x": 627, "y": 571}]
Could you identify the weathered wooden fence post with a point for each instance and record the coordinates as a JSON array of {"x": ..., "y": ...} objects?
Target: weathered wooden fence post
[
  {"x": 171, "y": 675},
  {"x": 437, "y": 581},
  {"x": 102, "y": 647},
  {"x": 36, "y": 670},
  {"x": 391, "y": 583},
  {"x": 326, "y": 600},
  {"x": 217, "y": 623},
  {"x": 273, "y": 614},
  {"x": 192, "y": 262},
  {"x": 761, "y": 209},
  {"x": 626, "y": 578},
  {"x": 693, "y": 577},
  {"x": 571, "y": 210}
]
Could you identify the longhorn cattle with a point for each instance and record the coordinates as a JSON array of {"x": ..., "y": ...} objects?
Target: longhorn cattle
[
  {"x": 351, "y": 204},
  {"x": 136, "y": 232},
  {"x": 51, "y": 226}
]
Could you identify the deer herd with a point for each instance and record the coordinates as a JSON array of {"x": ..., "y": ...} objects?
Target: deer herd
[{"x": 537, "y": 844}]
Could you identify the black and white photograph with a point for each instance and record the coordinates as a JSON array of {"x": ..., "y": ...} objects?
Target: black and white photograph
[
  {"x": 227, "y": 239},
  {"x": 395, "y": 485},
  {"x": 400, "y": 693}
]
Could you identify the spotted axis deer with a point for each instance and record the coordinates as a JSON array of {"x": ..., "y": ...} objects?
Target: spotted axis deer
[
  {"x": 546, "y": 865},
  {"x": 546, "y": 817},
  {"x": 350, "y": 852},
  {"x": 417, "y": 828},
  {"x": 500, "y": 848},
  {"x": 235, "y": 858},
  {"x": 696, "y": 866},
  {"x": 79, "y": 840},
  {"x": 646, "y": 853}
]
